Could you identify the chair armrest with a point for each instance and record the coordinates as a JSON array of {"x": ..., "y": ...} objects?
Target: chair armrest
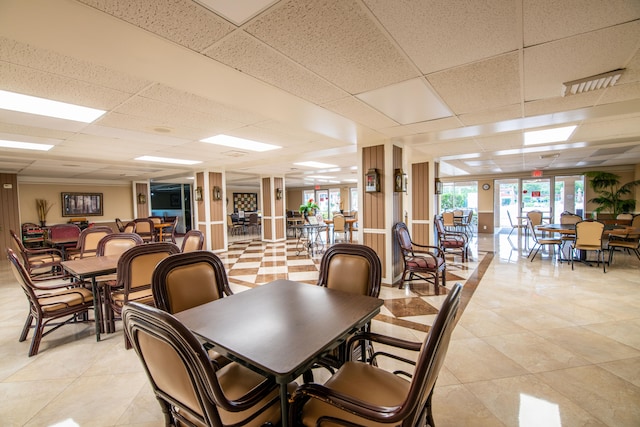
[
  {"x": 43, "y": 251},
  {"x": 430, "y": 250},
  {"x": 384, "y": 339},
  {"x": 457, "y": 235},
  {"x": 343, "y": 401}
]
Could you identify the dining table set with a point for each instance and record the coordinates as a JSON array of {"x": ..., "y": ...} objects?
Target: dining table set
[{"x": 251, "y": 327}]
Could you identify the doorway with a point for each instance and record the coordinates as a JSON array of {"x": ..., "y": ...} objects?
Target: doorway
[{"x": 173, "y": 200}]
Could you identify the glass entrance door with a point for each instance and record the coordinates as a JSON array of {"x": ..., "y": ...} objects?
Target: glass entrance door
[
  {"x": 569, "y": 196},
  {"x": 536, "y": 196},
  {"x": 507, "y": 202}
]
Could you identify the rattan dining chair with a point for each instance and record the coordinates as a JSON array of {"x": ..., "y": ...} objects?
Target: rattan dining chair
[
  {"x": 450, "y": 240},
  {"x": 186, "y": 385},
  {"x": 40, "y": 263},
  {"x": 47, "y": 304},
  {"x": 421, "y": 262},
  {"x": 189, "y": 279},
  {"x": 193, "y": 241},
  {"x": 133, "y": 278},
  {"x": 354, "y": 269},
  {"x": 88, "y": 242},
  {"x": 362, "y": 394}
]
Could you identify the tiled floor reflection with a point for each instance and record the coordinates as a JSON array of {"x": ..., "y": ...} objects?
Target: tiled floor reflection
[{"x": 536, "y": 345}]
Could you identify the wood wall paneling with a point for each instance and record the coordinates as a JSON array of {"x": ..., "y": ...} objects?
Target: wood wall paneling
[
  {"x": 279, "y": 208},
  {"x": 9, "y": 212},
  {"x": 217, "y": 236},
  {"x": 377, "y": 243},
  {"x": 266, "y": 228},
  {"x": 398, "y": 207},
  {"x": 266, "y": 197},
  {"x": 142, "y": 208},
  {"x": 199, "y": 182},
  {"x": 216, "y": 206},
  {"x": 374, "y": 206},
  {"x": 420, "y": 191}
]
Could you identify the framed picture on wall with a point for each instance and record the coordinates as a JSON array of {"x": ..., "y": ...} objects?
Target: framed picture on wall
[{"x": 81, "y": 204}]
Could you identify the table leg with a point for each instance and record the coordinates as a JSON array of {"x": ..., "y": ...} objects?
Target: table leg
[
  {"x": 284, "y": 405},
  {"x": 97, "y": 305}
]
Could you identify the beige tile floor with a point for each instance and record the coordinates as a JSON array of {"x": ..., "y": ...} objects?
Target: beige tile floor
[{"x": 537, "y": 345}]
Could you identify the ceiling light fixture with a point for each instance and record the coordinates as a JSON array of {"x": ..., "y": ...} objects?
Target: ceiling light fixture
[
  {"x": 167, "y": 160},
  {"x": 600, "y": 81},
  {"x": 548, "y": 135},
  {"x": 25, "y": 145},
  {"x": 241, "y": 143},
  {"x": 320, "y": 176},
  {"x": 46, "y": 107},
  {"x": 317, "y": 165}
]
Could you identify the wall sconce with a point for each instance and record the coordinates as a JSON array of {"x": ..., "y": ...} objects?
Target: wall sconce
[
  {"x": 142, "y": 199},
  {"x": 198, "y": 194},
  {"x": 278, "y": 193},
  {"x": 438, "y": 186},
  {"x": 217, "y": 193},
  {"x": 372, "y": 181},
  {"x": 400, "y": 181}
]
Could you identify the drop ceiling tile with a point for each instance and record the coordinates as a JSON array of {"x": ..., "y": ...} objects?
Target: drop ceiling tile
[
  {"x": 549, "y": 65},
  {"x": 487, "y": 84},
  {"x": 63, "y": 65},
  {"x": 415, "y": 132},
  {"x": 632, "y": 70},
  {"x": 558, "y": 103},
  {"x": 246, "y": 54},
  {"x": 7, "y": 127},
  {"x": 546, "y": 20},
  {"x": 345, "y": 46},
  {"x": 181, "y": 21},
  {"x": 169, "y": 95},
  {"x": 411, "y": 101},
  {"x": 492, "y": 115},
  {"x": 430, "y": 31},
  {"x": 237, "y": 12},
  {"x": 360, "y": 112},
  {"x": 620, "y": 92},
  {"x": 174, "y": 116},
  {"x": 28, "y": 81},
  {"x": 501, "y": 142},
  {"x": 609, "y": 129},
  {"x": 147, "y": 125}
]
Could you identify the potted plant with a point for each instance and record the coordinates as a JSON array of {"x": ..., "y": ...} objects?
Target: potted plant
[
  {"x": 43, "y": 207},
  {"x": 308, "y": 208},
  {"x": 612, "y": 197}
]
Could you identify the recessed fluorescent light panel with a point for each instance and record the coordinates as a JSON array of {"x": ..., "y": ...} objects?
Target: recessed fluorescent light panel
[
  {"x": 239, "y": 143},
  {"x": 46, "y": 107},
  {"x": 168, "y": 160},
  {"x": 316, "y": 165},
  {"x": 320, "y": 176},
  {"x": 25, "y": 145},
  {"x": 548, "y": 135}
]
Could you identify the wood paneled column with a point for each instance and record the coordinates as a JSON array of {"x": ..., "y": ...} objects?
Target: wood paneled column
[
  {"x": 210, "y": 212},
  {"x": 274, "y": 220}
]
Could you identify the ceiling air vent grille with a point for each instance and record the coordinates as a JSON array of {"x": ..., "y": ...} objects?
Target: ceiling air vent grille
[{"x": 601, "y": 81}]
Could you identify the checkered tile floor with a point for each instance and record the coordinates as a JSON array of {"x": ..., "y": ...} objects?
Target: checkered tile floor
[{"x": 252, "y": 263}]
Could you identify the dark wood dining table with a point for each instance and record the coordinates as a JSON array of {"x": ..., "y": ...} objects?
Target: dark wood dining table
[
  {"x": 282, "y": 328},
  {"x": 90, "y": 269}
]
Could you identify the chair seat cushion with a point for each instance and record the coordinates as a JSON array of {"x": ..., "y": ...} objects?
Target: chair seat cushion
[
  {"x": 143, "y": 297},
  {"x": 60, "y": 299},
  {"x": 425, "y": 263},
  {"x": 36, "y": 260},
  {"x": 623, "y": 244},
  {"x": 452, "y": 243},
  {"x": 236, "y": 381},
  {"x": 364, "y": 382},
  {"x": 587, "y": 247}
]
